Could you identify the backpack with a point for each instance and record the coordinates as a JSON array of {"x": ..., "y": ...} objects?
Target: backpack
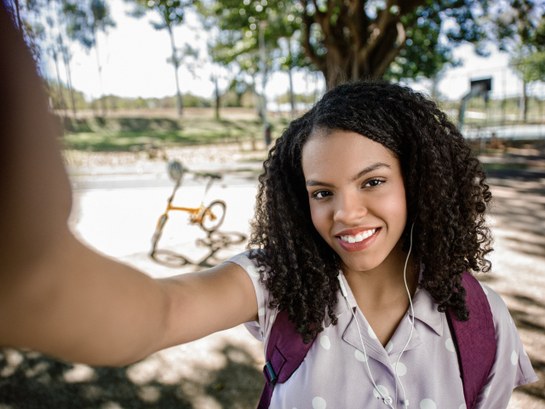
[{"x": 475, "y": 341}]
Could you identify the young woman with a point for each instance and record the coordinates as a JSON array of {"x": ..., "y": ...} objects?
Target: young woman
[{"x": 370, "y": 208}]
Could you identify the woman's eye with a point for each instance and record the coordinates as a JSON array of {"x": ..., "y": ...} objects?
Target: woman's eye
[
  {"x": 320, "y": 194},
  {"x": 373, "y": 183}
]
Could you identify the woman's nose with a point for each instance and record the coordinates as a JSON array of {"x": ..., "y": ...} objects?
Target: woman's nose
[{"x": 349, "y": 208}]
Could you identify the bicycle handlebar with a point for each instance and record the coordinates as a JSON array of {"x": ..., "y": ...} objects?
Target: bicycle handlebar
[{"x": 176, "y": 171}]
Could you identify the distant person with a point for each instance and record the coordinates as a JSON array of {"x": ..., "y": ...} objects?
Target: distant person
[{"x": 369, "y": 210}]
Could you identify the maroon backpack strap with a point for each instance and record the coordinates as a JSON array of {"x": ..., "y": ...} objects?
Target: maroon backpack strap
[
  {"x": 475, "y": 340},
  {"x": 285, "y": 353}
]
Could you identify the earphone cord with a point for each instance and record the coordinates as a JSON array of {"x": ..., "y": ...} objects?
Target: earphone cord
[
  {"x": 411, "y": 320},
  {"x": 384, "y": 398},
  {"x": 410, "y": 317}
]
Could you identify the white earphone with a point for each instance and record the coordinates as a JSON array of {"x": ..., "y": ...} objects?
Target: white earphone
[{"x": 387, "y": 399}]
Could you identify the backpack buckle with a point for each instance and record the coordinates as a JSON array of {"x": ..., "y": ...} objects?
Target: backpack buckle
[{"x": 270, "y": 374}]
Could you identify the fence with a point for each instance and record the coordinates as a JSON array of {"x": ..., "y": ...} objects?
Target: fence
[{"x": 509, "y": 110}]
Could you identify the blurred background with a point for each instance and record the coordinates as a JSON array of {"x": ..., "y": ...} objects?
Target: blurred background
[
  {"x": 482, "y": 61},
  {"x": 135, "y": 84}
]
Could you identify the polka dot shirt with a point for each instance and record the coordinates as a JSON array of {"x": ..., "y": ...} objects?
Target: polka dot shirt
[{"x": 419, "y": 368}]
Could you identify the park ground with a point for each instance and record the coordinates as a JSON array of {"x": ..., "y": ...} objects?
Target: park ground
[{"x": 224, "y": 369}]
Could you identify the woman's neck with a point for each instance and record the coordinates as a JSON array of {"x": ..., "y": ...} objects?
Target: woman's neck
[
  {"x": 384, "y": 285},
  {"x": 381, "y": 294}
]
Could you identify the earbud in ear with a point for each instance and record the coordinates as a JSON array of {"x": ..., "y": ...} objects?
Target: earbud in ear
[{"x": 343, "y": 287}]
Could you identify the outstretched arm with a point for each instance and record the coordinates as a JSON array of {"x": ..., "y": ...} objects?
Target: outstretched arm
[{"x": 58, "y": 296}]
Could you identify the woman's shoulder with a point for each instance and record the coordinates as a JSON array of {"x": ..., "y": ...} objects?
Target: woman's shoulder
[
  {"x": 253, "y": 262},
  {"x": 512, "y": 367},
  {"x": 266, "y": 315},
  {"x": 504, "y": 324},
  {"x": 499, "y": 308},
  {"x": 248, "y": 263}
]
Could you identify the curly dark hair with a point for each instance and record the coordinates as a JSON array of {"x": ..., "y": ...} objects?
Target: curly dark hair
[{"x": 446, "y": 200}]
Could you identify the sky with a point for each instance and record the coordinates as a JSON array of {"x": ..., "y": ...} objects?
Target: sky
[{"x": 134, "y": 64}]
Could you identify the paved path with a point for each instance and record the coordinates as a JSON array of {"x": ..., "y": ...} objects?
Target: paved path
[{"x": 116, "y": 208}]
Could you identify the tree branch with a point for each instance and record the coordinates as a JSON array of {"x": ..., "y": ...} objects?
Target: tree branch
[
  {"x": 377, "y": 32},
  {"x": 358, "y": 23},
  {"x": 308, "y": 20},
  {"x": 391, "y": 53},
  {"x": 386, "y": 22}
]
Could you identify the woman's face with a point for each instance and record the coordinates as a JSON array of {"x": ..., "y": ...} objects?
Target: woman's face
[{"x": 357, "y": 198}]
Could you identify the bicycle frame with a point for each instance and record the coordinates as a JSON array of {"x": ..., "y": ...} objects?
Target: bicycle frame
[{"x": 194, "y": 212}]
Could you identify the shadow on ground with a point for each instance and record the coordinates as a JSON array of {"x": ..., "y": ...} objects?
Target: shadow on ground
[
  {"x": 520, "y": 204},
  {"x": 29, "y": 380},
  {"x": 519, "y": 212},
  {"x": 214, "y": 242}
]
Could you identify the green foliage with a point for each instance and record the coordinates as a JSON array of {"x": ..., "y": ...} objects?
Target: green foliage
[
  {"x": 239, "y": 97},
  {"x": 424, "y": 54},
  {"x": 171, "y": 12},
  {"x": 300, "y": 98},
  {"x": 116, "y": 103},
  {"x": 531, "y": 67},
  {"x": 529, "y": 58},
  {"x": 58, "y": 94},
  {"x": 239, "y": 27},
  {"x": 85, "y": 19},
  {"x": 364, "y": 39},
  {"x": 194, "y": 101}
]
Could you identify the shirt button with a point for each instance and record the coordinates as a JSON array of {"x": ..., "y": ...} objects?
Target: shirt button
[{"x": 388, "y": 400}]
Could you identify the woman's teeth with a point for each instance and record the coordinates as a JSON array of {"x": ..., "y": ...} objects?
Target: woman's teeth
[{"x": 358, "y": 237}]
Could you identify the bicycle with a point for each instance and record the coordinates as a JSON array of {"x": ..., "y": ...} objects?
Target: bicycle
[{"x": 208, "y": 217}]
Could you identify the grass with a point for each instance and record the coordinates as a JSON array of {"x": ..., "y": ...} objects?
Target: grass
[{"x": 117, "y": 134}]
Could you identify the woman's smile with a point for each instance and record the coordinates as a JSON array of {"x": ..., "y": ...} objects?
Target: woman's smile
[{"x": 357, "y": 241}]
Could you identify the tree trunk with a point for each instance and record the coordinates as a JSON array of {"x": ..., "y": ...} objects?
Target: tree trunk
[
  {"x": 62, "y": 101},
  {"x": 102, "y": 99},
  {"x": 264, "y": 73},
  {"x": 344, "y": 64},
  {"x": 290, "y": 78},
  {"x": 357, "y": 48},
  {"x": 66, "y": 61},
  {"x": 524, "y": 102},
  {"x": 176, "y": 64},
  {"x": 217, "y": 102}
]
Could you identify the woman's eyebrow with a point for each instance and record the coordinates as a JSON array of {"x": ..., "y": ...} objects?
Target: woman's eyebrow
[
  {"x": 364, "y": 171},
  {"x": 371, "y": 168}
]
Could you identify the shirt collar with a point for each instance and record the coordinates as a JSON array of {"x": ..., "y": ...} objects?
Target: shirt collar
[{"x": 425, "y": 311}]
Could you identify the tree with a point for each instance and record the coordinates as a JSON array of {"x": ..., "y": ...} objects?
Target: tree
[
  {"x": 255, "y": 38},
  {"x": 396, "y": 39},
  {"x": 348, "y": 40},
  {"x": 26, "y": 15},
  {"x": 85, "y": 20},
  {"x": 45, "y": 29},
  {"x": 171, "y": 14},
  {"x": 529, "y": 59}
]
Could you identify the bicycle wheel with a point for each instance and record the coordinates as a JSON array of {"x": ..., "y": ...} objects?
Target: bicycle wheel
[{"x": 213, "y": 215}]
